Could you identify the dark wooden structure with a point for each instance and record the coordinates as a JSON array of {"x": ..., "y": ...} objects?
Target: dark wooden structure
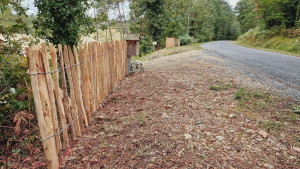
[{"x": 132, "y": 47}]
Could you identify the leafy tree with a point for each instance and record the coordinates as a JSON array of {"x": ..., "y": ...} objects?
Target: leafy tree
[
  {"x": 116, "y": 4},
  {"x": 15, "y": 25},
  {"x": 246, "y": 15},
  {"x": 224, "y": 21},
  {"x": 157, "y": 19},
  {"x": 61, "y": 21},
  {"x": 278, "y": 13},
  {"x": 202, "y": 20},
  {"x": 147, "y": 19}
]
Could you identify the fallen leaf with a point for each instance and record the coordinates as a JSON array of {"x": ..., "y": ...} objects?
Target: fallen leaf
[{"x": 263, "y": 133}]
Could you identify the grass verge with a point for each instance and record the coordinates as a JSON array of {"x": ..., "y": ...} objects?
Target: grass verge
[
  {"x": 276, "y": 40},
  {"x": 264, "y": 49},
  {"x": 167, "y": 52}
]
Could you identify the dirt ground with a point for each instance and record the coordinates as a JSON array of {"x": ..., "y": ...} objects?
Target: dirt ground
[{"x": 187, "y": 113}]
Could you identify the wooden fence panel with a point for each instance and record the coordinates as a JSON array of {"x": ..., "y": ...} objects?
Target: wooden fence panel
[
  {"x": 172, "y": 42},
  {"x": 86, "y": 77}
]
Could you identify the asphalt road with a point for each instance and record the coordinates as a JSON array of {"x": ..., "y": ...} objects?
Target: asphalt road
[{"x": 280, "y": 72}]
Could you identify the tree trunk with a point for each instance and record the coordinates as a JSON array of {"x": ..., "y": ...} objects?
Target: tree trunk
[
  {"x": 95, "y": 14},
  {"x": 120, "y": 18},
  {"x": 126, "y": 30},
  {"x": 108, "y": 24},
  {"x": 188, "y": 18}
]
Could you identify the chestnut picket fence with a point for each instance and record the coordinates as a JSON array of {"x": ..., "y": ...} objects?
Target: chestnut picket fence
[{"x": 69, "y": 83}]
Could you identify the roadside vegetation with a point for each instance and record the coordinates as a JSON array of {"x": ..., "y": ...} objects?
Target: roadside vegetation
[
  {"x": 187, "y": 20},
  {"x": 167, "y": 51},
  {"x": 287, "y": 41},
  {"x": 274, "y": 26}
]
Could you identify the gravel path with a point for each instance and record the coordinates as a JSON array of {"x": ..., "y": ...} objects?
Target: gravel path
[
  {"x": 169, "y": 117},
  {"x": 281, "y": 73}
]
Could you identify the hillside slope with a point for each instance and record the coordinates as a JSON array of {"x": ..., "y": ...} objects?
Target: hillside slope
[{"x": 282, "y": 41}]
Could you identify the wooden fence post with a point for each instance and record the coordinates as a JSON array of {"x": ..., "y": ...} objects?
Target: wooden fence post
[
  {"x": 51, "y": 97},
  {"x": 90, "y": 66},
  {"x": 41, "y": 100},
  {"x": 95, "y": 94},
  {"x": 58, "y": 98},
  {"x": 77, "y": 89},
  {"x": 66, "y": 101},
  {"x": 74, "y": 109},
  {"x": 99, "y": 64},
  {"x": 86, "y": 79}
]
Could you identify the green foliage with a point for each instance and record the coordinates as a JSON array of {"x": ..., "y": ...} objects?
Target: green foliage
[
  {"x": 242, "y": 94},
  {"x": 212, "y": 87},
  {"x": 145, "y": 45},
  {"x": 224, "y": 21},
  {"x": 13, "y": 86},
  {"x": 148, "y": 19},
  {"x": 223, "y": 86},
  {"x": 61, "y": 21},
  {"x": 185, "y": 39},
  {"x": 246, "y": 15},
  {"x": 275, "y": 39},
  {"x": 268, "y": 14},
  {"x": 271, "y": 24},
  {"x": 10, "y": 25},
  {"x": 158, "y": 19}
]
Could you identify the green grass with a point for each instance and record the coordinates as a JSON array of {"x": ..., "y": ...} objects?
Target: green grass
[
  {"x": 141, "y": 118},
  {"x": 274, "y": 42},
  {"x": 167, "y": 52},
  {"x": 253, "y": 99},
  {"x": 212, "y": 87},
  {"x": 224, "y": 86}
]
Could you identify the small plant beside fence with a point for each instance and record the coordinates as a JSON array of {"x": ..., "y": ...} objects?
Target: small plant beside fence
[
  {"x": 68, "y": 93},
  {"x": 172, "y": 42}
]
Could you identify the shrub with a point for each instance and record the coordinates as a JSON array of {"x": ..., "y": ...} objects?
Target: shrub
[
  {"x": 185, "y": 39},
  {"x": 14, "y": 84},
  {"x": 145, "y": 46}
]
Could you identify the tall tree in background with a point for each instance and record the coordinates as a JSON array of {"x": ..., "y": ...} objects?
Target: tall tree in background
[
  {"x": 159, "y": 19},
  {"x": 188, "y": 17},
  {"x": 146, "y": 15},
  {"x": 225, "y": 28},
  {"x": 205, "y": 20},
  {"x": 246, "y": 15},
  {"x": 101, "y": 8},
  {"x": 15, "y": 25},
  {"x": 61, "y": 21},
  {"x": 271, "y": 13},
  {"x": 202, "y": 20},
  {"x": 116, "y": 4}
]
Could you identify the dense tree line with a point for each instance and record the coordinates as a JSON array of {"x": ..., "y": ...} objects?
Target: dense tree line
[
  {"x": 268, "y": 14},
  {"x": 157, "y": 19}
]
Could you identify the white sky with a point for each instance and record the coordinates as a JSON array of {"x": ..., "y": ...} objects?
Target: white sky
[
  {"x": 32, "y": 9},
  {"x": 233, "y": 2}
]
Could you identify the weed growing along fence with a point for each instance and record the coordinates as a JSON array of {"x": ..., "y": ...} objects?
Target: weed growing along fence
[{"x": 68, "y": 93}]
